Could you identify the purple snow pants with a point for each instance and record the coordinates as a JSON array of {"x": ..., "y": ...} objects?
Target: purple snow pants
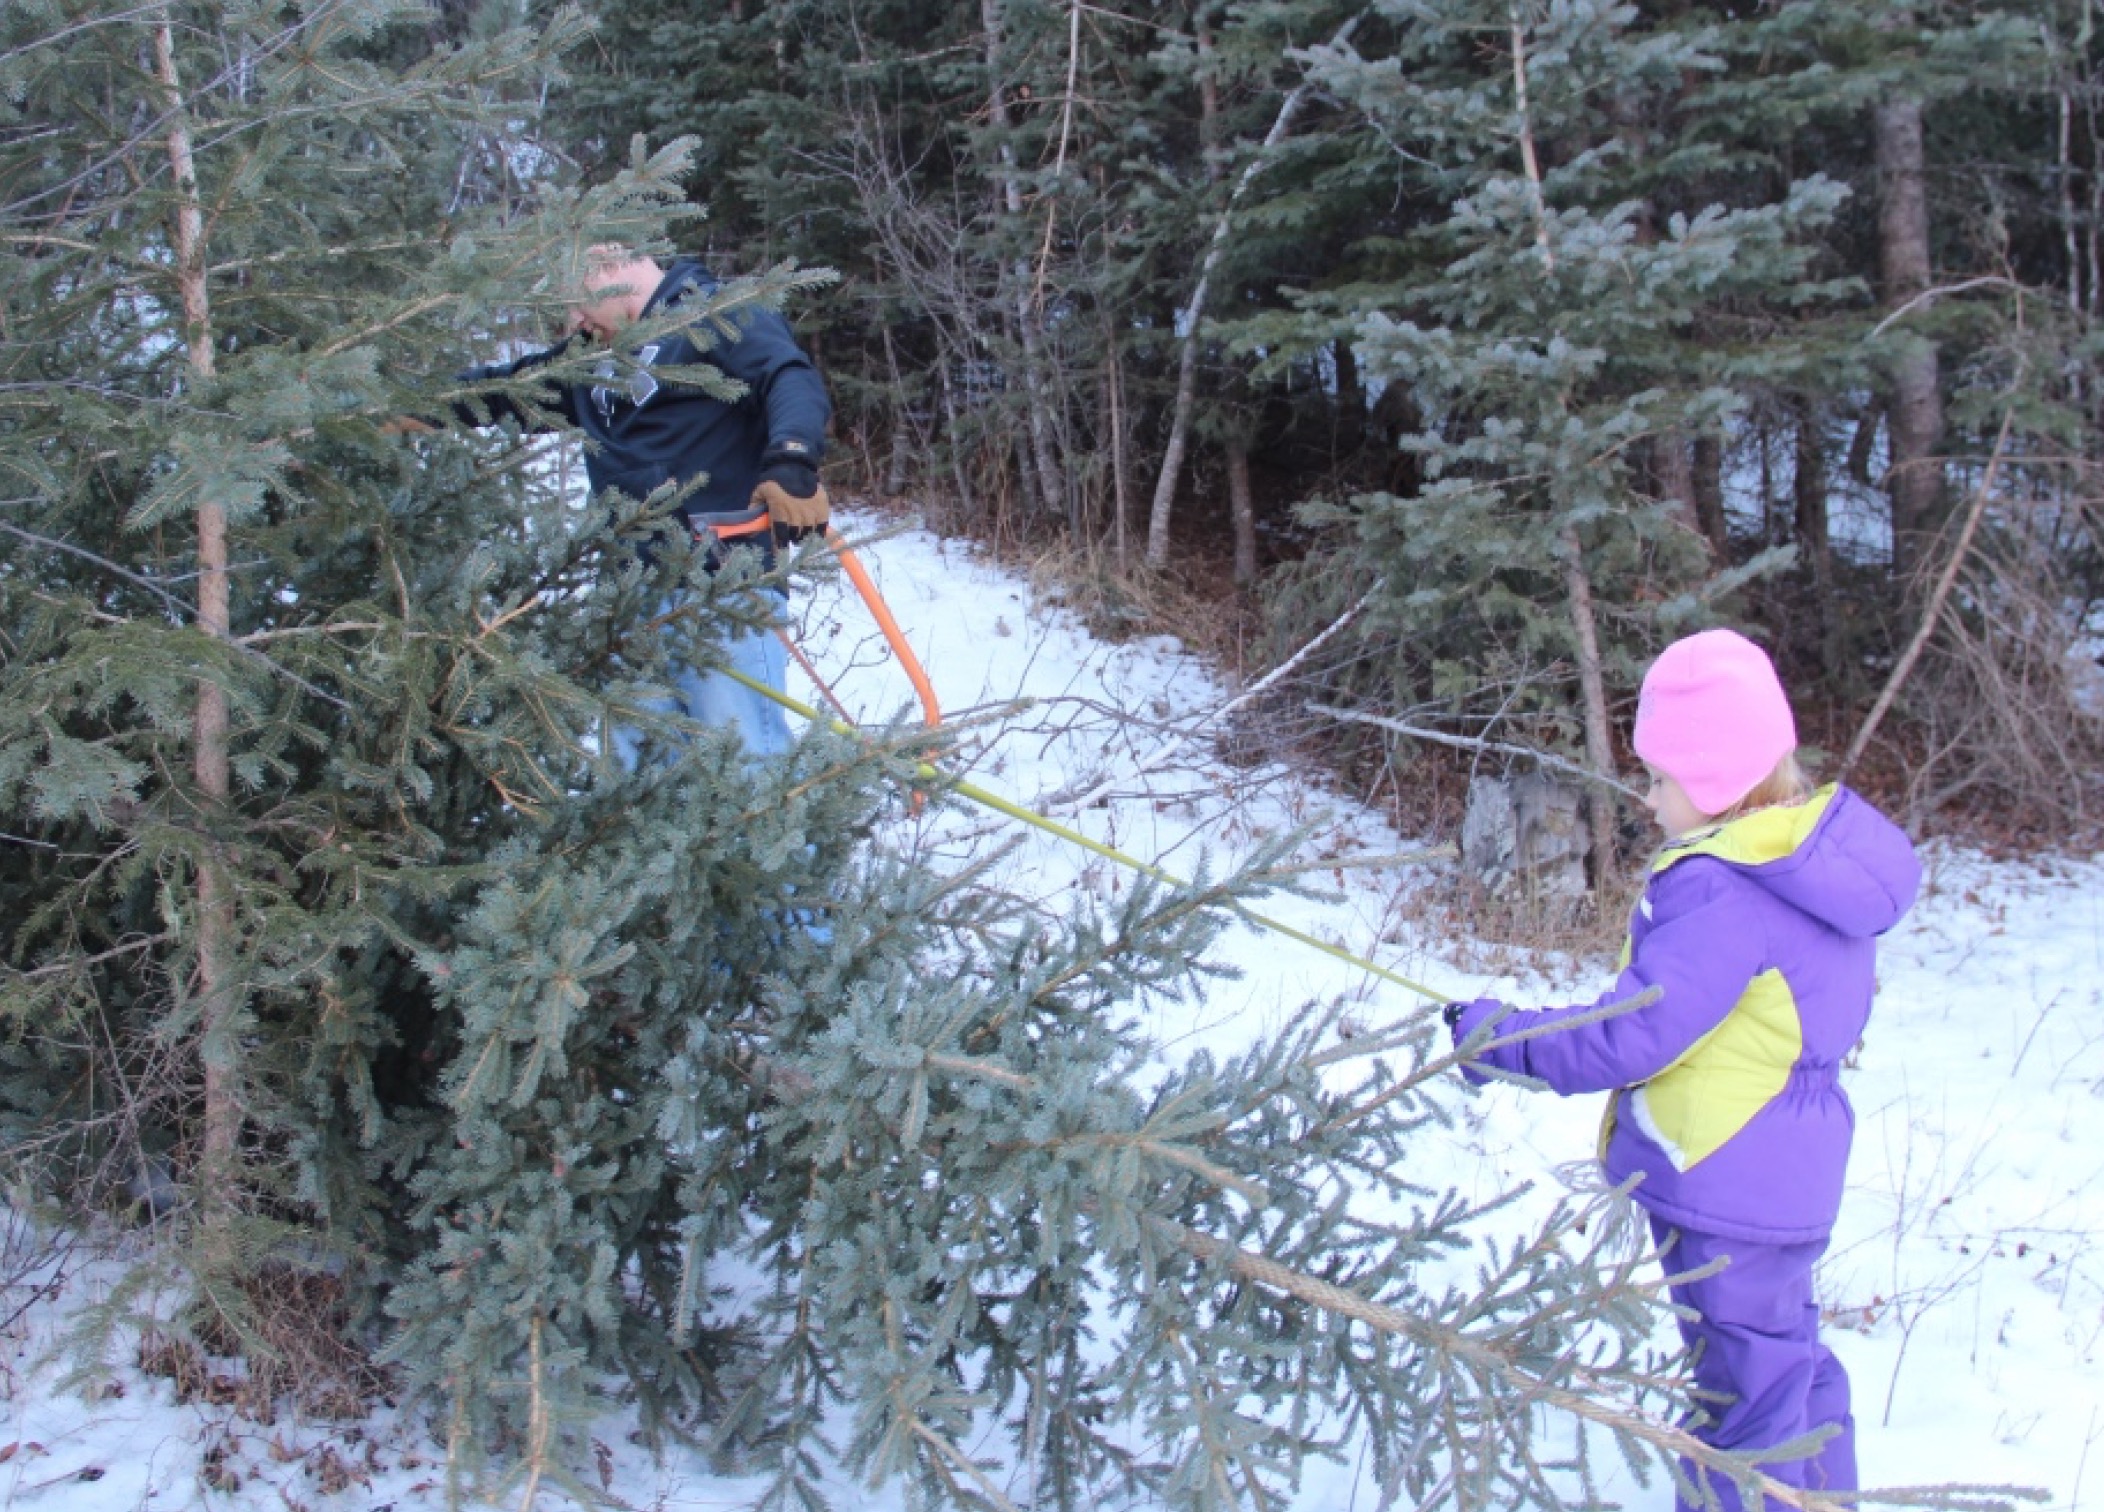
[{"x": 1765, "y": 1376}]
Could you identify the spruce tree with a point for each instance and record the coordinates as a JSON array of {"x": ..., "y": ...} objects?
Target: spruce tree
[
  {"x": 1551, "y": 317},
  {"x": 232, "y": 602}
]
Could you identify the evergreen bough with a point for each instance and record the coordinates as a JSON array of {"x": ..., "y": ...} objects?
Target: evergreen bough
[{"x": 1580, "y": 293}]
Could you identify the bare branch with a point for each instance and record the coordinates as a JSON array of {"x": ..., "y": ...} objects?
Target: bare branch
[
  {"x": 1933, "y": 610},
  {"x": 1474, "y": 743},
  {"x": 1183, "y": 739}
]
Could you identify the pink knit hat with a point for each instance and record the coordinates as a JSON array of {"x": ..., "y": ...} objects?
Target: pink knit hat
[{"x": 1712, "y": 717}]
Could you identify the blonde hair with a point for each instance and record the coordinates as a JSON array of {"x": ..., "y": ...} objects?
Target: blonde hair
[{"x": 1785, "y": 784}]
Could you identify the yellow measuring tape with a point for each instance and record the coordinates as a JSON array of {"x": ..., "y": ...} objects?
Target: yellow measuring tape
[{"x": 1035, "y": 820}]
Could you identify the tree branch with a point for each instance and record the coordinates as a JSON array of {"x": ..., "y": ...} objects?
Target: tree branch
[
  {"x": 1485, "y": 1356},
  {"x": 1933, "y": 610},
  {"x": 1059, "y": 804},
  {"x": 187, "y": 610},
  {"x": 1474, "y": 743}
]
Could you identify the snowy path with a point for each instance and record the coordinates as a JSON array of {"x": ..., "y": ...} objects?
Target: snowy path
[{"x": 1966, "y": 1284}]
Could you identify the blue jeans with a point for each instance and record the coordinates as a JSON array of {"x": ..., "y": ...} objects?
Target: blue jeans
[{"x": 708, "y": 697}]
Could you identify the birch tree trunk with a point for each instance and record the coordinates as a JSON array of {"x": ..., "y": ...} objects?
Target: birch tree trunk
[
  {"x": 1915, "y": 417},
  {"x": 217, "y": 1173},
  {"x": 1050, "y": 476},
  {"x": 1192, "y": 316}
]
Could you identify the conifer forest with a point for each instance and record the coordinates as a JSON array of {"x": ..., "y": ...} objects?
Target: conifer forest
[{"x": 1449, "y": 357}]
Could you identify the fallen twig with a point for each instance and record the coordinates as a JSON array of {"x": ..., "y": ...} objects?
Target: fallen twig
[
  {"x": 1933, "y": 610},
  {"x": 1473, "y": 743}
]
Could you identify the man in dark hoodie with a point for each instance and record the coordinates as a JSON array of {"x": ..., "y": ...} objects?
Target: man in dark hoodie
[{"x": 642, "y": 432}]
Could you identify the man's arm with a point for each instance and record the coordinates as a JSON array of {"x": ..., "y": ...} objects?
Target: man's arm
[
  {"x": 551, "y": 401},
  {"x": 785, "y": 383},
  {"x": 767, "y": 360}
]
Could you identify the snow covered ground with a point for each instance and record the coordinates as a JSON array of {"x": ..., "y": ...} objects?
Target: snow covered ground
[{"x": 1966, "y": 1284}]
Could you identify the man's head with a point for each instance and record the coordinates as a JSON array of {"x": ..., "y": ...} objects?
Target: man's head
[{"x": 612, "y": 291}]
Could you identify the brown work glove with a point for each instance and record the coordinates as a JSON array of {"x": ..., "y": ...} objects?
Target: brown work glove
[
  {"x": 407, "y": 425},
  {"x": 790, "y": 492}
]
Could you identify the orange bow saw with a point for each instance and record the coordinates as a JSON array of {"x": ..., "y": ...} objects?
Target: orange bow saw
[{"x": 753, "y": 521}]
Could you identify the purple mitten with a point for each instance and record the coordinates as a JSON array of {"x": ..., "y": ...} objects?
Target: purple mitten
[{"x": 1463, "y": 1020}]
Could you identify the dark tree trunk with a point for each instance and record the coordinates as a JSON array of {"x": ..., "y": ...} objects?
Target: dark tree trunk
[
  {"x": 1808, "y": 484},
  {"x": 1673, "y": 471},
  {"x": 1708, "y": 482},
  {"x": 1243, "y": 510},
  {"x": 904, "y": 444},
  {"x": 1915, "y": 479},
  {"x": 1120, "y": 481},
  {"x": 1592, "y": 685},
  {"x": 1351, "y": 399},
  {"x": 1864, "y": 442},
  {"x": 1048, "y": 485}
]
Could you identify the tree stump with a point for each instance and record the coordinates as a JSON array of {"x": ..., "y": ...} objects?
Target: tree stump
[{"x": 1524, "y": 837}]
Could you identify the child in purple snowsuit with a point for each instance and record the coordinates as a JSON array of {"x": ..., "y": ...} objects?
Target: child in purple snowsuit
[{"x": 1758, "y": 927}]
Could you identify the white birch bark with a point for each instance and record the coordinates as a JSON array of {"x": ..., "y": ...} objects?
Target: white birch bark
[
  {"x": 1192, "y": 316},
  {"x": 1044, "y": 455}
]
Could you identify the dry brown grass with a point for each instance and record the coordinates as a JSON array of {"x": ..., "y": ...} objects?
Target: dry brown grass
[
  {"x": 294, "y": 1342},
  {"x": 1119, "y": 605},
  {"x": 1567, "y": 939}
]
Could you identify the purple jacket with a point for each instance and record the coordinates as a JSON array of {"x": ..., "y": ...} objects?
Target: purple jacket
[{"x": 1760, "y": 936}]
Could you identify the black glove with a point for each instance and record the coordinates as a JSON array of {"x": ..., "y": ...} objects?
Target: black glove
[
  {"x": 1451, "y": 1013},
  {"x": 789, "y": 490}
]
